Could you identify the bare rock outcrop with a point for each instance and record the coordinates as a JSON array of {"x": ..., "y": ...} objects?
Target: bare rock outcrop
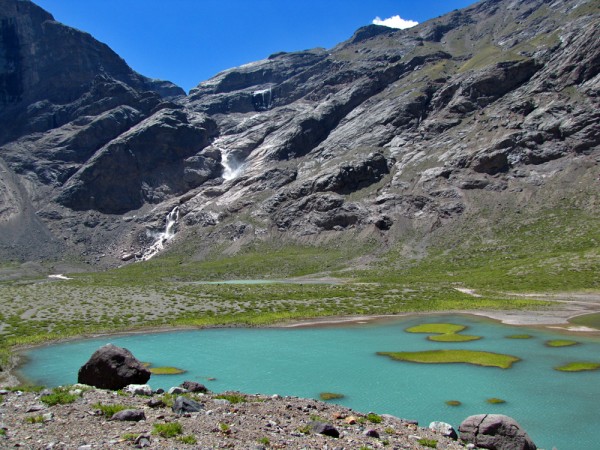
[{"x": 495, "y": 432}]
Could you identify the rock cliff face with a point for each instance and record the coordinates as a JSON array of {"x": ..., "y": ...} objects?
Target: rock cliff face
[{"x": 486, "y": 110}]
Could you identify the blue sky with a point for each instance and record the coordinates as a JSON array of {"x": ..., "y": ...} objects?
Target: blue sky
[{"x": 188, "y": 41}]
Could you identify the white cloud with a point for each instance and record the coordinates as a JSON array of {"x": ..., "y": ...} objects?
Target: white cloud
[{"x": 395, "y": 22}]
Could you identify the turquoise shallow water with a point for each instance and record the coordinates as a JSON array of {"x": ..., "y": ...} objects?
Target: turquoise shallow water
[{"x": 557, "y": 409}]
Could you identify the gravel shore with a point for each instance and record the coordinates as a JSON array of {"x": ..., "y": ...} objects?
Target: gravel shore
[{"x": 257, "y": 422}]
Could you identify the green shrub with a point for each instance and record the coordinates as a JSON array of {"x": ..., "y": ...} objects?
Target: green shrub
[
  {"x": 264, "y": 441},
  {"x": 167, "y": 430}
]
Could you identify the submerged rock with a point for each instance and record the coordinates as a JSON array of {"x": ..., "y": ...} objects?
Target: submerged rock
[{"x": 112, "y": 367}]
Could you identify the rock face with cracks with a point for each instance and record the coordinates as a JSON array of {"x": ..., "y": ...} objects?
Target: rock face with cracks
[{"x": 495, "y": 432}]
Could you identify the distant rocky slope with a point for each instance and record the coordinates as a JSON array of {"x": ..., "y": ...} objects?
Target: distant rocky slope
[{"x": 484, "y": 112}]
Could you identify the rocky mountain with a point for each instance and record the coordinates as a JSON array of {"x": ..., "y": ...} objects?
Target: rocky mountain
[{"x": 392, "y": 136}]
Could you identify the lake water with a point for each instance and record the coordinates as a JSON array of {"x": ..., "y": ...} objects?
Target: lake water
[{"x": 556, "y": 409}]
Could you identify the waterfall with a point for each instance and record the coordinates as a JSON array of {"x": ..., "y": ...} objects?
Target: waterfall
[
  {"x": 262, "y": 99},
  {"x": 163, "y": 237},
  {"x": 232, "y": 167}
]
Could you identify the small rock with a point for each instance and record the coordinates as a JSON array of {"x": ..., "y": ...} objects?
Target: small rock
[
  {"x": 139, "y": 389},
  {"x": 35, "y": 408},
  {"x": 3, "y": 392},
  {"x": 324, "y": 429},
  {"x": 129, "y": 415},
  {"x": 159, "y": 391},
  {"x": 156, "y": 403},
  {"x": 445, "y": 429},
  {"x": 142, "y": 441},
  {"x": 350, "y": 420},
  {"x": 184, "y": 405},
  {"x": 85, "y": 447},
  {"x": 221, "y": 401},
  {"x": 193, "y": 386},
  {"x": 47, "y": 417},
  {"x": 371, "y": 433}
]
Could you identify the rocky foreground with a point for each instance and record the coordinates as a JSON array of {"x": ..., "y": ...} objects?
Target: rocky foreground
[{"x": 243, "y": 421}]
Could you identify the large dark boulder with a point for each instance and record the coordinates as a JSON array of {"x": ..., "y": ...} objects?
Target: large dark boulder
[
  {"x": 495, "y": 432},
  {"x": 112, "y": 367}
]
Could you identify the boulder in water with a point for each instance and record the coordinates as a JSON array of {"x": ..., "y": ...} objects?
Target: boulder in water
[{"x": 112, "y": 367}]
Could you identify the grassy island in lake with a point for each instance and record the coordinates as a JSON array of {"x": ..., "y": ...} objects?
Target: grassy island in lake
[
  {"x": 578, "y": 367},
  {"x": 443, "y": 332},
  {"x": 166, "y": 371},
  {"x": 561, "y": 343},
  {"x": 478, "y": 358}
]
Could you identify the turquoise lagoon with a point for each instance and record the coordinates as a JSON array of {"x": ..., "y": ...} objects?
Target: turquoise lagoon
[{"x": 557, "y": 409}]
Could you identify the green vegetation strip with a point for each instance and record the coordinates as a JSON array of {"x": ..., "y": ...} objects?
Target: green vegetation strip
[
  {"x": 561, "y": 343},
  {"x": 477, "y": 358},
  {"x": 578, "y": 367}
]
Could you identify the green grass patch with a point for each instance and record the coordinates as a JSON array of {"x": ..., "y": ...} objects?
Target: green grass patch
[
  {"x": 59, "y": 396},
  {"x": 35, "y": 419},
  {"x": 374, "y": 418},
  {"x": 330, "y": 396},
  {"x": 519, "y": 336},
  {"x": 109, "y": 410},
  {"x": 495, "y": 401},
  {"x": 431, "y": 443},
  {"x": 189, "y": 439},
  {"x": 561, "y": 343},
  {"x": 167, "y": 430},
  {"x": 453, "y": 402},
  {"x": 166, "y": 370},
  {"x": 578, "y": 367},
  {"x": 478, "y": 358}
]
